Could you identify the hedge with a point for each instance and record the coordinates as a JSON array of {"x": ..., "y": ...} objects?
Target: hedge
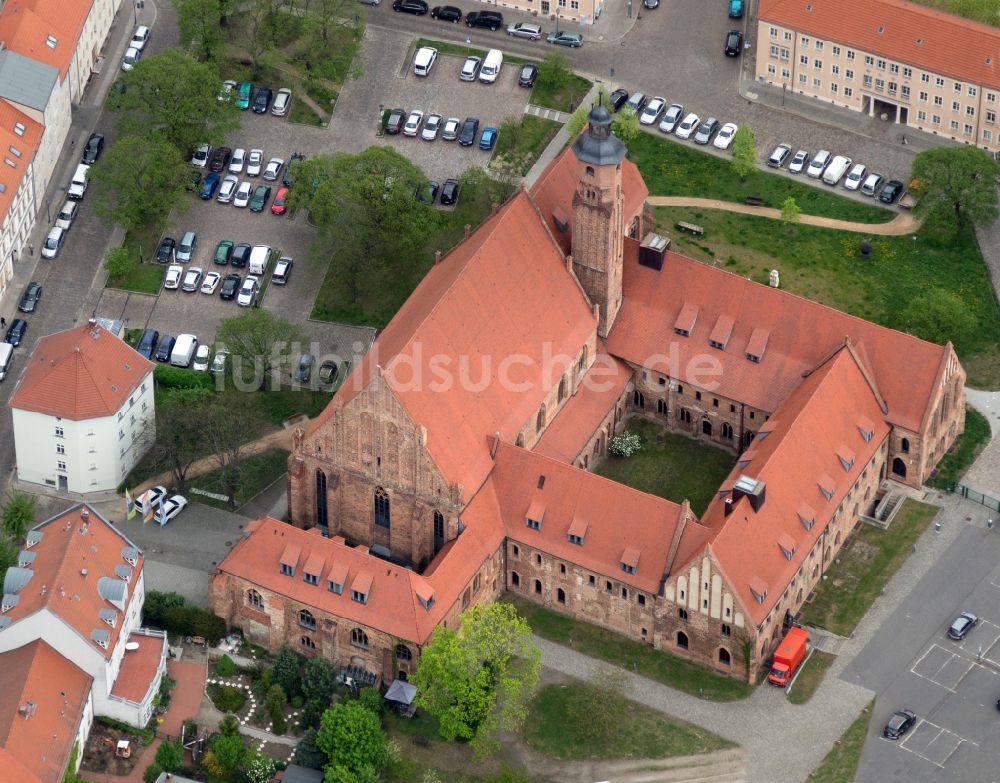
[
  {"x": 172, "y": 613},
  {"x": 169, "y": 377}
]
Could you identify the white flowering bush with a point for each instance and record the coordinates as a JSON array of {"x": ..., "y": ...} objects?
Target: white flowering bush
[
  {"x": 260, "y": 769},
  {"x": 624, "y": 445}
]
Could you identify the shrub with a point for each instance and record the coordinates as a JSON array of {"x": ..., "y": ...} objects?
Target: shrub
[
  {"x": 170, "y": 612},
  {"x": 625, "y": 445},
  {"x": 226, "y": 698},
  {"x": 297, "y": 702},
  {"x": 225, "y": 667},
  {"x": 169, "y": 756},
  {"x": 152, "y": 773},
  {"x": 371, "y": 699},
  {"x": 169, "y": 377},
  {"x": 229, "y": 726},
  {"x": 307, "y": 752}
]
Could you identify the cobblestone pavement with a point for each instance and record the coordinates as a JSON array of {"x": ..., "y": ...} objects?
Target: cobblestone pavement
[{"x": 984, "y": 474}]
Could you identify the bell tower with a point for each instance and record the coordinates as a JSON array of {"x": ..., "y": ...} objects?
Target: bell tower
[{"x": 598, "y": 216}]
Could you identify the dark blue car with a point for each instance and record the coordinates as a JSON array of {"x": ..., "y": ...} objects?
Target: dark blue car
[
  {"x": 209, "y": 185},
  {"x": 147, "y": 343},
  {"x": 489, "y": 139}
]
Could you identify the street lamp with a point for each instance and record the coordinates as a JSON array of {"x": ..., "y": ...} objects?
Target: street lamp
[
  {"x": 48, "y": 210},
  {"x": 135, "y": 13}
]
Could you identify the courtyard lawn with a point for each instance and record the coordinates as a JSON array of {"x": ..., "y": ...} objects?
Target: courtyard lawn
[
  {"x": 557, "y": 711},
  {"x": 145, "y": 277},
  {"x": 614, "y": 648},
  {"x": 963, "y": 451},
  {"x": 671, "y": 168},
  {"x": 257, "y": 472},
  {"x": 565, "y": 99},
  {"x": 983, "y": 11},
  {"x": 811, "y": 677},
  {"x": 841, "y": 763},
  {"x": 672, "y": 466},
  {"x": 823, "y": 265},
  {"x": 858, "y": 574},
  {"x": 521, "y": 142}
]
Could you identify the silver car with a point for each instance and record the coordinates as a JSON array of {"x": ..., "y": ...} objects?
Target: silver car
[
  {"x": 525, "y": 30},
  {"x": 449, "y": 131},
  {"x": 671, "y": 117},
  {"x": 470, "y": 69},
  {"x": 228, "y": 189},
  {"x": 274, "y": 166},
  {"x": 431, "y": 127},
  {"x": 255, "y": 161},
  {"x": 798, "y": 164}
]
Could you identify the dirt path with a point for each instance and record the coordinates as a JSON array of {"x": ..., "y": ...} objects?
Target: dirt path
[{"x": 903, "y": 223}]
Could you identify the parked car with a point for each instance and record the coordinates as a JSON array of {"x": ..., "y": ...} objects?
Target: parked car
[
  {"x": 470, "y": 68},
  {"x": 778, "y": 157},
  {"x": 617, "y": 99},
  {"x": 899, "y": 724},
  {"x": 131, "y": 57},
  {"x": 166, "y": 252},
  {"x": 165, "y": 348},
  {"x": 223, "y": 251},
  {"x": 449, "y": 192},
  {"x": 432, "y": 126},
  {"x": 671, "y": 117},
  {"x": 652, "y": 111},
  {"x": 151, "y": 498},
  {"x": 282, "y": 270},
  {"x": 725, "y": 137},
  {"x": 855, "y": 176},
  {"x": 798, "y": 164},
  {"x": 208, "y": 186},
  {"x": 449, "y": 131},
  {"x": 139, "y": 37},
  {"x": 263, "y": 100},
  {"x": 243, "y": 95},
  {"x": 202, "y": 357},
  {"x": 891, "y": 192},
  {"x": 427, "y": 193},
  {"x": 565, "y": 38},
  {"x": 187, "y": 246},
  {"x": 965, "y": 622},
  {"x": 636, "y": 102},
  {"x": 172, "y": 279},
  {"x": 470, "y": 128},
  {"x": 67, "y": 214},
  {"x": 53, "y": 242},
  {"x": 260, "y": 198},
  {"x": 734, "y": 43},
  {"x": 170, "y": 508},
  {"x": 286, "y": 180},
  {"x": 255, "y": 160},
  {"x": 226, "y": 92},
  {"x": 424, "y": 60},
  {"x": 328, "y": 372},
  {"x": 735, "y": 9},
  {"x": 192, "y": 279},
  {"x": 688, "y": 126},
  {"x": 871, "y": 184},
  {"x": 220, "y": 159},
  {"x": 228, "y": 189},
  {"x": 395, "y": 121},
  {"x": 247, "y": 296},
  {"x": 211, "y": 282},
  {"x": 488, "y": 139},
  {"x": 650, "y": 4},
  {"x": 413, "y": 123},
  {"x": 147, "y": 343},
  {"x": 219, "y": 361},
  {"x": 243, "y": 194},
  {"x": 92, "y": 151},
  {"x": 706, "y": 130},
  {"x": 273, "y": 169},
  {"x": 527, "y": 30},
  {"x": 200, "y": 156},
  {"x": 16, "y": 331},
  {"x": 278, "y": 206},
  {"x": 528, "y": 75},
  {"x": 446, "y": 13},
  {"x": 230, "y": 286},
  {"x": 282, "y": 100},
  {"x": 304, "y": 371},
  {"x": 241, "y": 255},
  {"x": 818, "y": 164},
  {"x": 30, "y": 298},
  {"x": 489, "y": 20},
  {"x": 415, "y": 7}
]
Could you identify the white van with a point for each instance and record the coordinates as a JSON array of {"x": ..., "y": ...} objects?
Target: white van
[
  {"x": 66, "y": 215},
  {"x": 836, "y": 170},
  {"x": 6, "y": 356},
  {"x": 184, "y": 350},
  {"x": 491, "y": 66},
  {"x": 78, "y": 185},
  {"x": 259, "y": 256}
]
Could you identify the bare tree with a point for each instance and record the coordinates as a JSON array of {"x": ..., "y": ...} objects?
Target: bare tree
[
  {"x": 232, "y": 422},
  {"x": 180, "y": 437}
]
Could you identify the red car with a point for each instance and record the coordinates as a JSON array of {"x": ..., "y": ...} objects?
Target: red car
[{"x": 278, "y": 205}]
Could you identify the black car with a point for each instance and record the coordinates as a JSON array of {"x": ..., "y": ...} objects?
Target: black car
[
  {"x": 287, "y": 179},
  {"x": 891, "y": 192},
  {"x": 230, "y": 286},
  {"x": 147, "y": 343},
  {"x": 446, "y": 13},
  {"x": 328, "y": 372},
  {"x": 263, "y": 100},
  {"x": 167, "y": 250},
  {"x": 394, "y": 124},
  {"x": 240, "y": 256},
  {"x": 427, "y": 193},
  {"x": 529, "y": 72},
  {"x": 93, "y": 149},
  {"x": 449, "y": 192},
  {"x": 964, "y": 623},
  {"x": 417, "y": 7},
  {"x": 734, "y": 43},
  {"x": 899, "y": 724},
  {"x": 491, "y": 20},
  {"x": 165, "y": 348},
  {"x": 470, "y": 128},
  {"x": 15, "y": 333},
  {"x": 304, "y": 371},
  {"x": 618, "y": 99},
  {"x": 32, "y": 295},
  {"x": 220, "y": 158}
]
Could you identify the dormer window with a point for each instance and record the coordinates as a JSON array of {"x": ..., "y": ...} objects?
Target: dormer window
[
  {"x": 826, "y": 486},
  {"x": 721, "y": 332},
  {"x": 758, "y": 589},
  {"x": 357, "y": 595},
  {"x": 628, "y": 569},
  {"x": 312, "y": 579},
  {"x": 578, "y": 540},
  {"x": 686, "y": 319},
  {"x": 535, "y": 515},
  {"x": 426, "y": 602},
  {"x": 757, "y": 345},
  {"x": 361, "y": 587},
  {"x": 335, "y": 587},
  {"x": 110, "y": 616},
  {"x": 630, "y": 560},
  {"x": 866, "y": 428},
  {"x": 787, "y": 545},
  {"x": 51, "y": 42},
  {"x": 577, "y": 531},
  {"x": 807, "y": 516},
  {"x": 846, "y": 457},
  {"x": 287, "y": 570},
  {"x": 290, "y": 560}
]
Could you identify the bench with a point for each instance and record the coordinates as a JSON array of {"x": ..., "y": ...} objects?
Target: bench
[
  {"x": 753, "y": 201},
  {"x": 691, "y": 228}
]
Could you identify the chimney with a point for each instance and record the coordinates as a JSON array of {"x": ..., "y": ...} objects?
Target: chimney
[
  {"x": 727, "y": 507},
  {"x": 653, "y": 250},
  {"x": 83, "y": 572}
]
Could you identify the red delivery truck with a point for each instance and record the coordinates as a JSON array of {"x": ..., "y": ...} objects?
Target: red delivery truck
[{"x": 789, "y": 655}]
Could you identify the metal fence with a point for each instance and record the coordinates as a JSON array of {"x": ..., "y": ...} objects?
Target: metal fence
[{"x": 977, "y": 497}]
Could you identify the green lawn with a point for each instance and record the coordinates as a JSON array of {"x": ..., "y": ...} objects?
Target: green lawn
[
  {"x": 841, "y": 763},
  {"x": 617, "y": 649},
  {"x": 461, "y": 50},
  {"x": 565, "y": 99},
  {"x": 303, "y": 114},
  {"x": 671, "y": 168},
  {"x": 984, "y": 11},
  {"x": 279, "y": 405},
  {"x": 964, "y": 450},
  {"x": 523, "y": 147},
  {"x": 809, "y": 679},
  {"x": 559, "y": 715},
  {"x": 145, "y": 277},
  {"x": 858, "y": 574},
  {"x": 672, "y": 466},
  {"x": 257, "y": 472},
  {"x": 823, "y": 265}
]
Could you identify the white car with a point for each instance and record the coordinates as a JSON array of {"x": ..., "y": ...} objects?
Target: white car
[
  {"x": 219, "y": 362},
  {"x": 131, "y": 57},
  {"x": 201, "y": 358},
  {"x": 170, "y": 509},
  {"x": 228, "y": 188},
  {"x": 431, "y": 127},
  {"x": 53, "y": 242},
  {"x": 254, "y": 162},
  {"x": 671, "y": 117},
  {"x": 799, "y": 162},
  {"x": 273, "y": 169},
  {"x": 248, "y": 291},
  {"x": 424, "y": 60},
  {"x": 151, "y": 498},
  {"x": 200, "y": 157},
  {"x": 238, "y": 161},
  {"x": 449, "y": 132},
  {"x": 243, "y": 194},
  {"x": 192, "y": 278},
  {"x": 470, "y": 68},
  {"x": 226, "y": 93},
  {"x": 210, "y": 283},
  {"x": 725, "y": 137},
  {"x": 818, "y": 164},
  {"x": 651, "y": 113},
  {"x": 413, "y": 123},
  {"x": 688, "y": 126},
  {"x": 139, "y": 37},
  {"x": 855, "y": 176},
  {"x": 173, "y": 277},
  {"x": 525, "y": 30}
]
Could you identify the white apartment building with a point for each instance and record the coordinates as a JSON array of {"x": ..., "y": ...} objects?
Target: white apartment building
[
  {"x": 915, "y": 66},
  {"x": 83, "y": 411}
]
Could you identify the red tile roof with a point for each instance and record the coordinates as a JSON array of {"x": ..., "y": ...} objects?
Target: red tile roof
[
  {"x": 41, "y": 706},
  {"x": 25, "y": 26},
  {"x": 799, "y": 334},
  {"x": 82, "y": 373},
  {"x": 580, "y": 417},
  {"x": 799, "y": 454},
  {"x": 899, "y": 30},
  {"x": 139, "y": 667},
  {"x": 26, "y": 144},
  {"x": 460, "y": 314},
  {"x": 68, "y": 564}
]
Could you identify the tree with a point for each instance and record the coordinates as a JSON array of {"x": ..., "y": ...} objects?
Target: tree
[
  {"x": 957, "y": 187},
  {"x": 744, "y": 151},
  {"x": 477, "y": 681},
  {"x": 230, "y": 424},
  {"x": 200, "y": 23},
  {"x": 939, "y": 316},
  {"x": 286, "y": 671},
  {"x": 170, "y": 756},
  {"x": 790, "y": 210},
  {"x": 180, "y": 437},
  {"x": 227, "y": 753},
  {"x": 324, "y": 17},
  {"x": 319, "y": 680},
  {"x": 371, "y": 699},
  {"x": 351, "y": 736},
  {"x": 259, "y": 341},
  {"x": 174, "y": 96},
  {"x": 229, "y": 726},
  {"x": 625, "y": 125},
  {"x": 18, "y": 515},
  {"x": 308, "y": 753},
  {"x": 257, "y": 15},
  {"x": 119, "y": 262},
  {"x": 140, "y": 179},
  {"x": 554, "y": 74},
  {"x": 577, "y": 121},
  {"x": 275, "y": 701}
]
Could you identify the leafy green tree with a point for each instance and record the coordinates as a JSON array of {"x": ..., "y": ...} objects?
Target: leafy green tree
[
  {"x": 231, "y": 423},
  {"x": 18, "y": 515},
  {"x": 180, "y": 437},
  {"x": 275, "y": 701},
  {"x": 323, "y": 17},
  {"x": 555, "y": 75},
  {"x": 200, "y": 23},
  {"x": 286, "y": 671},
  {"x": 351, "y": 736},
  {"x": 170, "y": 756},
  {"x": 790, "y": 210},
  {"x": 957, "y": 187},
  {"x": 260, "y": 346},
  {"x": 152, "y": 773},
  {"x": 229, "y": 726},
  {"x": 625, "y": 125},
  {"x": 939, "y": 316},
  {"x": 477, "y": 681},
  {"x": 337, "y": 773},
  {"x": 577, "y": 121},
  {"x": 319, "y": 680},
  {"x": 175, "y": 96},
  {"x": 744, "y": 151},
  {"x": 371, "y": 699},
  {"x": 308, "y": 753},
  {"x": 228, "y": 752},
  {"x": 119, "y": 262}
]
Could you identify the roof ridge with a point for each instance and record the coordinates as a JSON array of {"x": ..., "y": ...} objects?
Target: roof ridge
[
  {"x": 848, "y": 343},
  {"x": 945, "y": 357}
]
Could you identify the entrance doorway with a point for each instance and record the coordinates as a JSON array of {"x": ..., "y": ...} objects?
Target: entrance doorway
[{"x": 63, "y": 484}]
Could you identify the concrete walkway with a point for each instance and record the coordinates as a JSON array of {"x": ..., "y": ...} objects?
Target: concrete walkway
[{"x": 903, "y": 223}]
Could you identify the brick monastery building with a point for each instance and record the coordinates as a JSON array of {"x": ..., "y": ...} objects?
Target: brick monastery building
[{"x": 453, "y": 463}]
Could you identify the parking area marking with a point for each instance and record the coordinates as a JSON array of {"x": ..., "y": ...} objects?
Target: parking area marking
[
  {"x": 942, "y": 667},
  {"x": 933, "y": 743}
]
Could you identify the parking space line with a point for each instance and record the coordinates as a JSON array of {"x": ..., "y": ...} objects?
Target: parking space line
[{"x": 946, "y": 734}]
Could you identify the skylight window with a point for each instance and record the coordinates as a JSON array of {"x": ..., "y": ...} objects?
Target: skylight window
[
  {"x": 14, "y": 151},
  {"x": 19, "y": 128},
  {"x": 51, "y": 42}
]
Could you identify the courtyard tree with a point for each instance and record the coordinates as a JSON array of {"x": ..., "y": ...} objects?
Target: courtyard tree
[
  {"x": 200, "y": 23},
  {"x": 180, "y": 435},
  {"x": 555, "y": 75},
  {"x": 119, "y": 262},
  {"x": 18, "y": 515},
  {"x": 939, "y": 316},
  {"x": 308, "y": 753},
  {"x": 173, "y": 96},
  {"x": 744, "y": 151},
  {"x": 286, "y": 671},
  {"x": 625, "y": 125},
  {"x": 790, "y": 210},
  {"x": 231, "y": 422},
  {"x": 319, "y": 680},
  {"x": 258, "y": 767},
  {"x": 957, "y": 188},
  {"x": 261, "y": 347},
  {"x": 576, "y": 122},
  {"x": 477, "y": 681},
  {"x": 170, "y": 756},
  {"x": 351, "y": 736},
  {"x": 140, "y": 179},
  {"x": 224, "y": 755}
]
